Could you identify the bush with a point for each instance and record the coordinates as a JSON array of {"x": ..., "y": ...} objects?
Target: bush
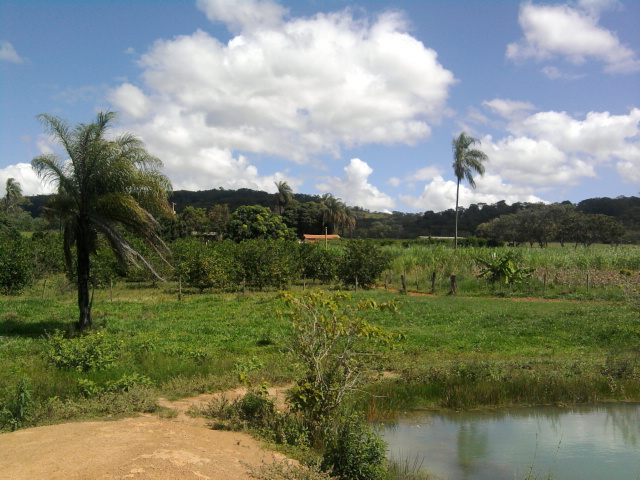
[
  {"x": 332, "y": 340},
  {"x": 204, "y": 265},
  {"x": 363, "y": 263},
  {"x": 318, "y": 262},
  {"x": 353, "y": 451},
  {"x": 91, "y": 351},
  {"x": 286, "y": 471},
  {"x": 17, "y": 264},
  {"x": 267, "y": 263}
]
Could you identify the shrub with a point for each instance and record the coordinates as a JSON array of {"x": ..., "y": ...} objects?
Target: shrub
[
  {"x": 92, "y": 351},
  {"x": 17, "y": 264},
  {"x": 204, "y": 265},
  {"x": 267, "y": 262},
  {"x": 318, "y": 262},
  {"x": 330, "y": 338},
  {"x": 353, "y": 451},
  {"x": 285, "y": 470},
  {"x": 363, "y": 263}
]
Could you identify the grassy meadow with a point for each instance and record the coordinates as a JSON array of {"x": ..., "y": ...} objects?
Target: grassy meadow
[{"x": 479, "y": 348}]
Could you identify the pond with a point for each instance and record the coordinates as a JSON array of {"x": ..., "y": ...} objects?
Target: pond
[{"x": 575, "y": 443}]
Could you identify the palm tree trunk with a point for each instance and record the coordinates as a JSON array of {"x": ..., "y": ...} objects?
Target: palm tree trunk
[
  {"x": 455, "y": 238},
  {"x": 84, "y": 269}
]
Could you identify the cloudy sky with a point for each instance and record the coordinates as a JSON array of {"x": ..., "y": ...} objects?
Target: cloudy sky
[{"x": 360, "y": 99}]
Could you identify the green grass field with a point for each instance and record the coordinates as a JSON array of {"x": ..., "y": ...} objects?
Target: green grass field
[{"x": 456, "y": 351}]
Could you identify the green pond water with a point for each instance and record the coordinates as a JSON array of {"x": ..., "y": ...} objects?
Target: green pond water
[{"x": 598, "y": 442}]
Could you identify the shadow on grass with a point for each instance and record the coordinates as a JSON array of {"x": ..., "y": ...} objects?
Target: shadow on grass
[{"x": 13, "y": 328}]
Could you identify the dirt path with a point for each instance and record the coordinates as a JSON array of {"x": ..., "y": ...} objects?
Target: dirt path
[{"x": 140, "y": 448}]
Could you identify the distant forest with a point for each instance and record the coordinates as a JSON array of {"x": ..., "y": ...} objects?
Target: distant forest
[{"x": 399, "y": 225}]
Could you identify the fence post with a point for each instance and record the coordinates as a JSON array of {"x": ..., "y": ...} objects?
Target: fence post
[
  {"x": 433, "y": 282},
  {"x": 404, "y": 283}
]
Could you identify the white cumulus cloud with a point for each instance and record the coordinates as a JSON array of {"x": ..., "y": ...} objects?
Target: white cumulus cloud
[
  {"x": 26, "y": 177},
  {"x": 571, "y": 31},
  {"x": 354, "y": 188},
  {"x": 555, "y": 148},
  {"x": 440, "y": 194},
  {"x": 291, "y": 88}
]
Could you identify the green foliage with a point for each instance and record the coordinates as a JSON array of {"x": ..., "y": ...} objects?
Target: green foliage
[
  {"x": 353, "y": 451},
  {"x": 93, "y": 351},
  {"x": 267, "y": 262},
  {"x": 285, "y": 470},
  {"x": 204, "y": 265},
  {"x": 503, "y": 269},
  {"x": 17, "y": 410},
  {"x": 256, "y": 222},
  {"x": 126, "y": 383},
  {"x": 363, "y": 262},
  {"x": 16, "y": 259},
  {"x": 48, "y": 254},
  {"x": 319, "y": 263},
  {"x": 332, "y": 340}
]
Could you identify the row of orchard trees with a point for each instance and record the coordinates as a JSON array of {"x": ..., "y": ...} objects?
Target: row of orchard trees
[
  {"x": 222, "y": 265},
  {"x": 269, "y": 263},
  {"x": 560, "y": 222}
]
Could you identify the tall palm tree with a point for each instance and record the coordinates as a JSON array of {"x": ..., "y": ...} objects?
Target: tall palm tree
[
  {"x": 466, "y": 161},
  {"x": 349, "y": 223},
  {"x": 333, "y": 212},
  {"x": 13, "y": 195},
  {"x": 283, "y": 197},
  {"x": 104, "y": 187}
]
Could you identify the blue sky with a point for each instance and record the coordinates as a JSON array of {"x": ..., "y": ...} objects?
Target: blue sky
[{"x": 360, "y": 99}]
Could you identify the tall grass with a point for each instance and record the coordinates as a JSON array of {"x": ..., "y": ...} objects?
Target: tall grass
[{"x": 597, "y": 272}]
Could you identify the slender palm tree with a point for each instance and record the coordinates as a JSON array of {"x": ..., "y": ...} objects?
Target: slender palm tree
[
  {"x": 13, "y": 195},
  {"x": 283, "y": 197},
  {"x": 333, "y": 212},
  {"x": 466, "y": 161},
  {"x": 349, "y": 224},
  {"x": 104, "y": 188}
]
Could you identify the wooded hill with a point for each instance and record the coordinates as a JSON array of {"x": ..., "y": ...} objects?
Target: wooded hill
[{"x": 397, "y": 224}]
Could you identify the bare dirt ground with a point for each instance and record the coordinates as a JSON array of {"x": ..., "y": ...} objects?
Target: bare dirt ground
[{"x": 140, "y": 448}]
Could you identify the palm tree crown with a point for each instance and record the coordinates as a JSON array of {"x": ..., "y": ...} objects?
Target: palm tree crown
[
  {"x": 283, "y": 197},
  {"x": 13, "y": 195},
  {"x": 466, "y": 162},
  {"x": 105, "y": 187}
]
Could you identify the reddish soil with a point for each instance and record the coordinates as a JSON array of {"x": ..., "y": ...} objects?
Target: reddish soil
[{"x": 140, "y": 448}]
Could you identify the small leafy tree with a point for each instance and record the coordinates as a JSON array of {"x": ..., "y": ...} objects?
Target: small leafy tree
[
  {"x": 332, "y": 339},
  {"x": 318, "y": 262},
  {"x": 204, "y": 266},
  {"x": 16, "y": 260},
  {"x": 363, "y": 262},
  {"x": 267, "y": 262}
]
